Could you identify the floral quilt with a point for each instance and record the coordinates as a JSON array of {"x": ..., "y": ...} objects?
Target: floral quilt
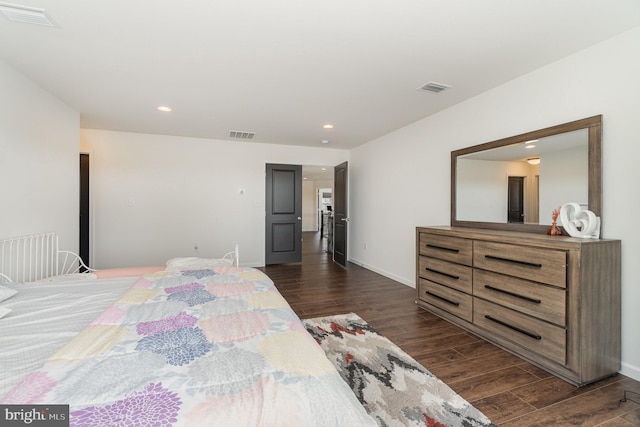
[{"x": 209, "y": 347}]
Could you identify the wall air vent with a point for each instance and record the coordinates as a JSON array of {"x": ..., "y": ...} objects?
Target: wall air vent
[
  {"x": 241, "y": 135},
  {"x": 434, "y": 87},
  {"x": 29, "y": 15}
]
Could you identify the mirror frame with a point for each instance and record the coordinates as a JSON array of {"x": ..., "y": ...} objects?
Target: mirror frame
[{"x": 594, "y": 126}]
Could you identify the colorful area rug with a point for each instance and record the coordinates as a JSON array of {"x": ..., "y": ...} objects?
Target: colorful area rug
[{"x": 394, "y": 388}]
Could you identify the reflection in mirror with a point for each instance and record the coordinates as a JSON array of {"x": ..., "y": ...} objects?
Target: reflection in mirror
[
  {"x": 515, "y": 183},
  {"x": 524, "y": 182}
]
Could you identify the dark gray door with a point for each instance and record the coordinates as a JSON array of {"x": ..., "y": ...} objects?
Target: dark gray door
[
  {"x": 283, "y": 214},
  {"x": 340, "y": 214},
  {"x": 84, "y": 208},
  {"x": 516, "y": 199}
]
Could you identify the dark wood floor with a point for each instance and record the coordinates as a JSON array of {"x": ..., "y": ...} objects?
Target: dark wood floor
[{"x": 507, "y": 389}]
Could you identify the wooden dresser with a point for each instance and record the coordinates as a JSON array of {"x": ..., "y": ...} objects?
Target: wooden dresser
[{"x": 554, "y": 301}]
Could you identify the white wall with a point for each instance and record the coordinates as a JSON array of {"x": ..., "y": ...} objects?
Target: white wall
[
  {"x": 154, "y": 197},
  {"x": 309, "y": 206},
  {"x": 39, "y": 170},
  {"x": 411, "y": 166},
  {"x": 563, "y": 175},
  {"x": 310, "y": 203}
]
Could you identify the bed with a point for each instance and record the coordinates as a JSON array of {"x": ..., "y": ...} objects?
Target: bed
[{"x": 199, "y": 342}]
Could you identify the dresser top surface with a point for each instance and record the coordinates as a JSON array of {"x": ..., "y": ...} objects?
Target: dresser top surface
[{"x": 488, "y": 234}]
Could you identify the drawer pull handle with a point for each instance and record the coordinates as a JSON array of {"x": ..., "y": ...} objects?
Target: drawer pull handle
[
  {"x": 442, "y": 248},
  {"x": 453, "y": 276},
  {"x": 515, "y": 328},
  {"x": 514, "y": 261},
  {"x": 513, "y": 294},
  {"x": 457, "y": 304}
]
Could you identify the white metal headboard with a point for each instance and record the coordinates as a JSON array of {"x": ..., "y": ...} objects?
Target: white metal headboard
[{"x": 34, "y": 257}]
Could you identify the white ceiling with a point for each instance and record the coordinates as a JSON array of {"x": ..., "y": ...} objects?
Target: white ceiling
[
  {"x": 535, "y": 148},
  {"x": 283, "y": 68},
  {"x": 317, "y": 173}
]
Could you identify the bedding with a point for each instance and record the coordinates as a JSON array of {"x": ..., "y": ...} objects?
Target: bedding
[
  {"x": 44, "y": 317},
  {"x": 215, "y": 346},
  {"x": 195, "y": 263},
  {"x": 6, "y": 293},
  {"x": 108, "y": 273},
  {"x": 4, "y": 311},
  {"x": 61, "y": 278}
]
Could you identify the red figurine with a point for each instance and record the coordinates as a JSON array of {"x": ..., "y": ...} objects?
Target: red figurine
[{"x": 555, "y": 230}]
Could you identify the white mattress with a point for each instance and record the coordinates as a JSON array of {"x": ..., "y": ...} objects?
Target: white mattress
[{"x": 44, "y": 316}]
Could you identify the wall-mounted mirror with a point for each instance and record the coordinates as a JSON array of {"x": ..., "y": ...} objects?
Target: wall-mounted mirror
[{"x": 515, "y": 183}]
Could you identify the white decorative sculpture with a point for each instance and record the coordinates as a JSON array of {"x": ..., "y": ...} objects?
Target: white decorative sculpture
[{"x": 579, "y": 222}]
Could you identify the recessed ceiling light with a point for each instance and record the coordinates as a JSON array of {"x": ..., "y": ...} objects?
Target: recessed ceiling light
[
  {"x": 529, "y": 146},
  {"x": 323, "y": 169},
  {"x": 328, "y": 126},
  {"x": 531, "y": 141},
  {"x": 164, "y": 109},
  {"x": 325, "y": 141}
]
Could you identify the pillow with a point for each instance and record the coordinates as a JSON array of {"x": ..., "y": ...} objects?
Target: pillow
[
  {"x": 194, "y": 263},
  {"x": 6, "y": 293},
  {"x": 4, "y": 311},
  {"x": 127, "y": 271},
  {"x": 67, "y": 278}
]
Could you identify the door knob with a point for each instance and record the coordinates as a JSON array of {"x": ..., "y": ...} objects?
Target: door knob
[
  {"x": 299, "y": 218},
  {"x": 346, "y": 219}
]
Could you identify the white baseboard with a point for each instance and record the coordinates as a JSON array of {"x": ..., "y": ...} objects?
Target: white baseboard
[
  {"x": 630, "y": 371},
  {"x": 384, "y": 273}
]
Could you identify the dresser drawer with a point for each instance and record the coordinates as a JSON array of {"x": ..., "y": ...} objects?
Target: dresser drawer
[
  {"x": 447, "y": 273},
  {"x": 533, "y": 334},
  {"x": 455, "y": 302},
  {"x": 541, "y": 301},
  {"x": 540, "y": 265},
  {"x": 454, "y": 249}
]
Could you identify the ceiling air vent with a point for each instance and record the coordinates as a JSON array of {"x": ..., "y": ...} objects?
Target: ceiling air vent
[
  {"x": 241, "y": 135},
  {"x": 29, "y": 15},
  {"x": 434, "y": 87}
]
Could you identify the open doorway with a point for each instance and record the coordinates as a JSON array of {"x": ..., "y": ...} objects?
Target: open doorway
[
  {"x": 293, "y": 207},
  {"x": 325, "y": 212},
  {"x": 317, "y": 207},
  {"x": 317, "y": 188},
  {"x": 317, "y": 199},
  {"x": 317, "y": 202},
  {"x": 330, "y": 224}
]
